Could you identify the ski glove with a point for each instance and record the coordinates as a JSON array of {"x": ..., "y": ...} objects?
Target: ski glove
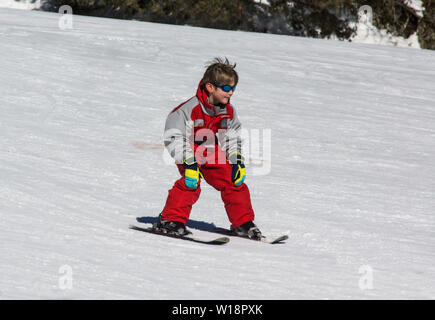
[
  {"x": 192, "y": 173},
  {"x": 238, "y": 174}
]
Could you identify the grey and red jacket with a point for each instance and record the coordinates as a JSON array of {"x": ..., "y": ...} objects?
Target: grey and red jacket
[{"x": 198, "y": 124}]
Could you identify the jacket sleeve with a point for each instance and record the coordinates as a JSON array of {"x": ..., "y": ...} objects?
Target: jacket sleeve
[
  {"x": 231, "y": 139},
  {"x": 177, "y": 135}
]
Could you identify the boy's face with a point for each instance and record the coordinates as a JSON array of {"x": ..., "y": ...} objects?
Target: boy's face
[{"x": 217, "y": 95}]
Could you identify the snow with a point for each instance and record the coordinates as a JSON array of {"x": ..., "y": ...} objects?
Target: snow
[
  {"x": 21, "y": 4},
  {"x": 350, "y": 177},
  {"x": 417, "y": 5},
  {"x": 265, "y": 2},
  {"x": 366, "y": 32},
  {"x": 369, "y": 34}
]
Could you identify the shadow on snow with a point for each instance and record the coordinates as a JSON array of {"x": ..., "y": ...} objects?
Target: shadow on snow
[{"x": 193, "y": 224}]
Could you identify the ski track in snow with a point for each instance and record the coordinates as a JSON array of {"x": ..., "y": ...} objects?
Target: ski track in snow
[{"x": 83, "y": 111}]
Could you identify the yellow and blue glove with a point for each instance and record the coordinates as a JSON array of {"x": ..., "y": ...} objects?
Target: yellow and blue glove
[
  {"x": 192, "y": 173},
  {"x": 238, "y": 174}
]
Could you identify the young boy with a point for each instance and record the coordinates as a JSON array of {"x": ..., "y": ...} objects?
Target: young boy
[{"x": 203, "y": 136}]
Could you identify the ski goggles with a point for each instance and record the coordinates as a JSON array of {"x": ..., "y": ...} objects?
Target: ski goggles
[{"x": 225, "y": 87}]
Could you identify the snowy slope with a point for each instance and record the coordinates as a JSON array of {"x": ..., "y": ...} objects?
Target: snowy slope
[{"x": 351, "y": 170}]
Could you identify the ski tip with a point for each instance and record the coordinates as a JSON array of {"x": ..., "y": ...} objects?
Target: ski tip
[
  {"x": 280, "y": 239},
  {"x": 276, "y": 240},
  {"x": 223, "y": 240},
  {"x": 220, "y": 241}
]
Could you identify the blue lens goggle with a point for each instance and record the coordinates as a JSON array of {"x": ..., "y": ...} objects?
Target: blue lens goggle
[{"x": 225, "y": 87}]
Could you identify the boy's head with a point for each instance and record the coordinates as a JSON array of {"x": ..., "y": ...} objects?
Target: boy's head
[{"x": 219, "y": 81}]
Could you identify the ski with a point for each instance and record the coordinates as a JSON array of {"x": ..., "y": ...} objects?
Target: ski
[
  {"x": 217, "y": 241},
  {"x": 264, "y": 239}
]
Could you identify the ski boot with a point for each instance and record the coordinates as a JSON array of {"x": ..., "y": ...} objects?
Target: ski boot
[
  {"x": 171, "y": 227},
  {"x": 248, "y": 229}
]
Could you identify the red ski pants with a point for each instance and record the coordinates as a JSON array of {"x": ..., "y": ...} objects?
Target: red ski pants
[{"x": 237, "y": 200}]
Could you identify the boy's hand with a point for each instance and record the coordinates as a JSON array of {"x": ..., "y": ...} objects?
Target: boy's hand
[
  {"x": 192, "y": 173},
  {"x": 238, "y": 174}
]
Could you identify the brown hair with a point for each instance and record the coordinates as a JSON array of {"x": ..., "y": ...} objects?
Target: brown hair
[{"x": 220, "y": 71}]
